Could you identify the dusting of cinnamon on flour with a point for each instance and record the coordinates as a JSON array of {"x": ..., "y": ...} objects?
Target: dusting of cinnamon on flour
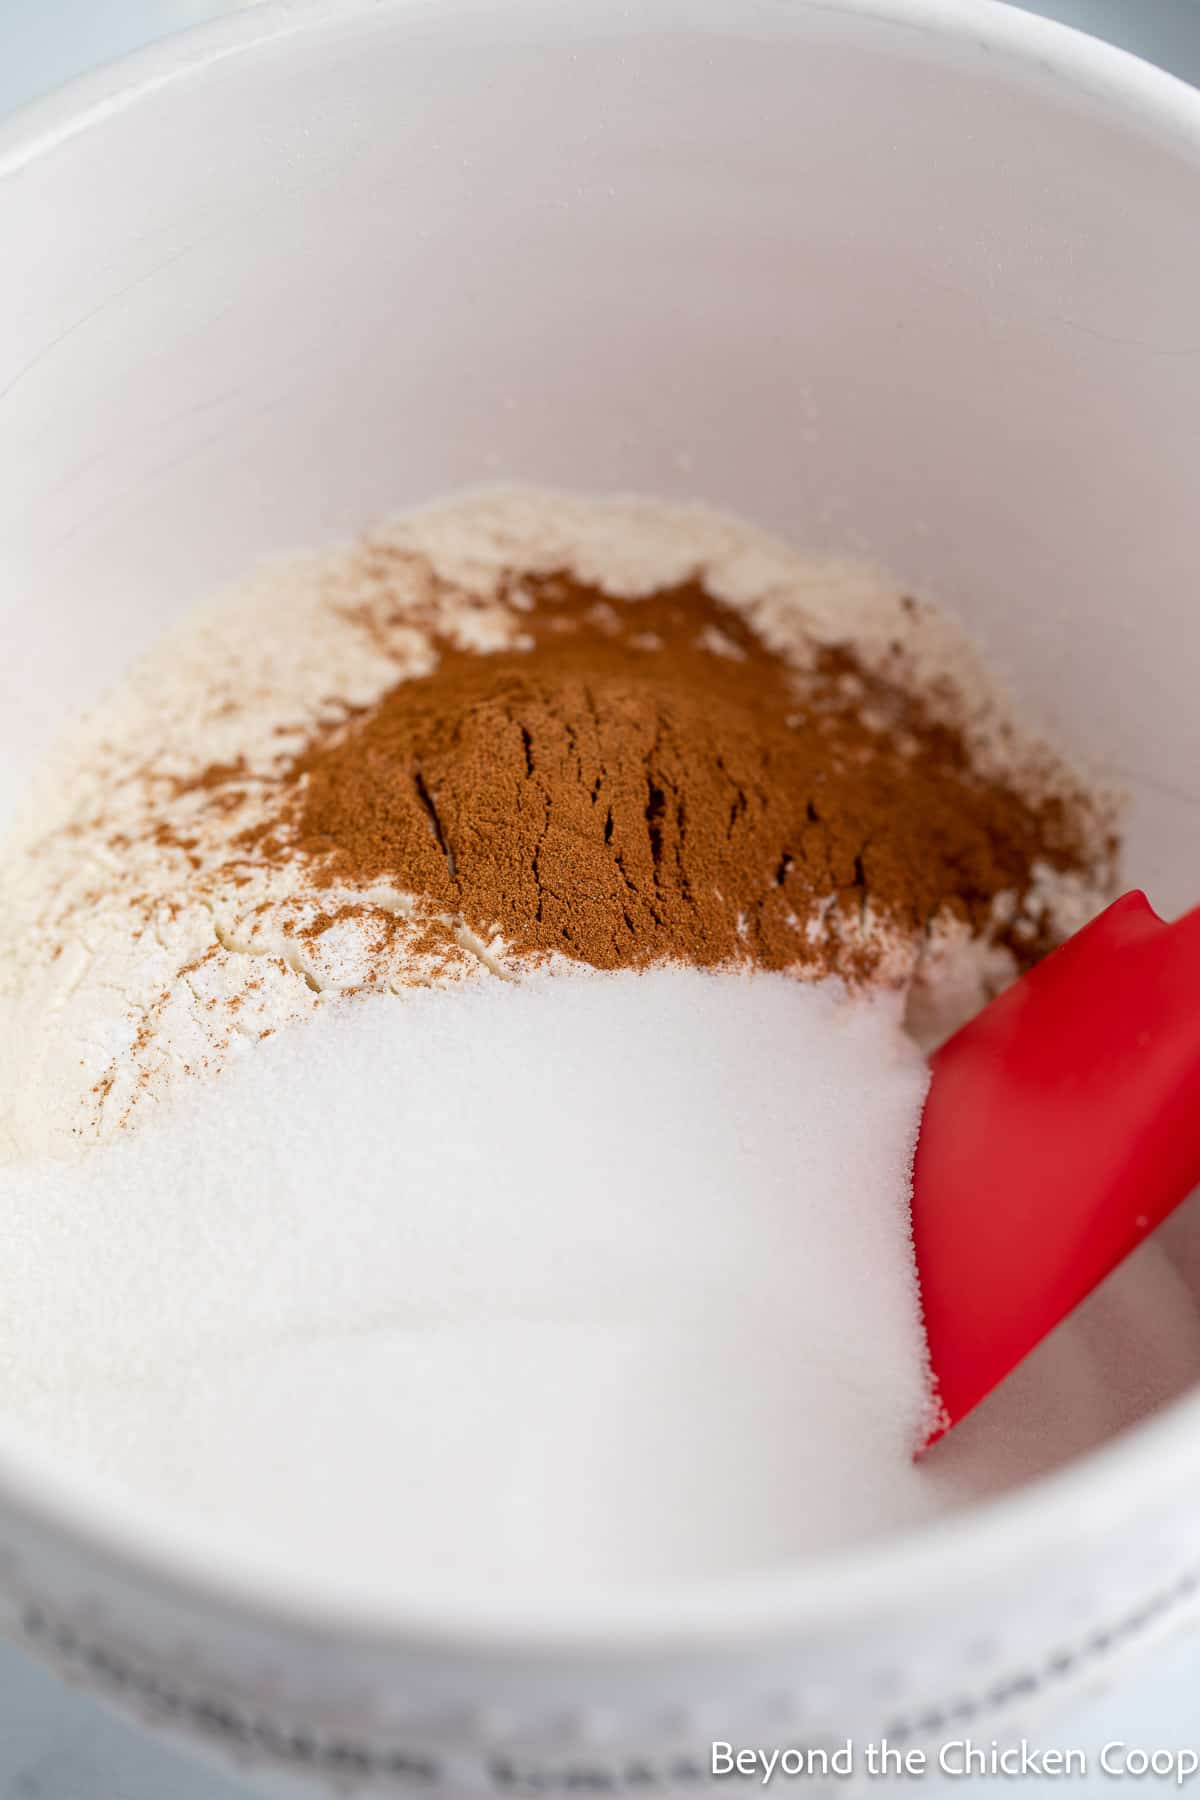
[{"x": 511, "y": 734}]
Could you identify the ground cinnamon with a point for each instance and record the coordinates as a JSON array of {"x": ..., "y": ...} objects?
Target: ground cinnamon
[{"x": 645, "y": 780}]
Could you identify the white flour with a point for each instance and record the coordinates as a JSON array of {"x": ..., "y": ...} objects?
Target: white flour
[{"x": 156, "y": 965}]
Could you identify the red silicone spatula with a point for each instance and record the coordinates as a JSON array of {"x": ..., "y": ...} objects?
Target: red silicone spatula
[{"x": 1062, "y": 1125}]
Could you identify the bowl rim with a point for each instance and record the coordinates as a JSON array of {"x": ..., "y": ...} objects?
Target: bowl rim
[{"x": 72, "y": 1510}]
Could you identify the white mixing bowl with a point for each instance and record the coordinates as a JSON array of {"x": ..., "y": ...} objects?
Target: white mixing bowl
[{"x": 920, "y": 277}]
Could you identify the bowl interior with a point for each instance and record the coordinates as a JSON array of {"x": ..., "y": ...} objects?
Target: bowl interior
[{"x": 916, "y": 292}]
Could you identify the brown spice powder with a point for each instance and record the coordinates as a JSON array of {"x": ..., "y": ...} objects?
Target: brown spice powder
[{"x": 646, "y": 781}]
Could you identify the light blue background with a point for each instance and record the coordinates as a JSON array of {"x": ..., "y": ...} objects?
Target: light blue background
[{"x": 57, "y": 1744}]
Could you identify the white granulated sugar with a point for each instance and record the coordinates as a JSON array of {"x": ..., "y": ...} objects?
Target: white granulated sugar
[
  {"x": 587, "y": 1280},
  {"x": 555, "y": 1288},
  {"x": 157, "y": 966}
]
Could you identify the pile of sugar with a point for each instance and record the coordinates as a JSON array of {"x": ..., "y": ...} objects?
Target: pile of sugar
[
  {"x": 563, "y": 1287},
  {"x": 590, "y": 1280}
]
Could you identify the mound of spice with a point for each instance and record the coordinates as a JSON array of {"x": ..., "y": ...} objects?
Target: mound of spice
[{"x": 645, "y": 781}]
